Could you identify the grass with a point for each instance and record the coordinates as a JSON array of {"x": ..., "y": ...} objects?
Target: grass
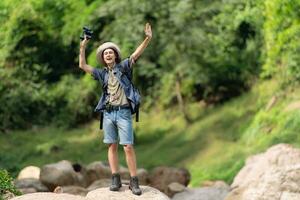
[
  {"x": 44, "y": 145},
  {"x": 213, "y": 147}
]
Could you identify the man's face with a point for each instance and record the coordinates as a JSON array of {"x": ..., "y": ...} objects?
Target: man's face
[{"x": 109, "y": 56}]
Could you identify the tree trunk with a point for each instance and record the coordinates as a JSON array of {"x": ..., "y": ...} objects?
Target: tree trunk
[{"x": 180, "y": 100}]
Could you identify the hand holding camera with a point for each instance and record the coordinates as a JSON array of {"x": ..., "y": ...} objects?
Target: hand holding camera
[
  {"x": 86, "y": 36},
  {"x": 87, "y": 33}
]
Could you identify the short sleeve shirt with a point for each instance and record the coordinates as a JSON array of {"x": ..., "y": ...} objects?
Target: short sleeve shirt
[{"x": 115, "y": 93}]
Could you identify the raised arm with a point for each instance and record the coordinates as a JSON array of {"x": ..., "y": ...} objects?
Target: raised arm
[
  {"x": 148, "y": 33},
  {"x": 82, "y": 62}
]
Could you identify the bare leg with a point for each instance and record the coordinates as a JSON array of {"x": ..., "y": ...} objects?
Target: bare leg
[
  {"x": 130, "y": 159},
  {"x": 113, "y": 158},
  {"x": 131, "y": 163}
]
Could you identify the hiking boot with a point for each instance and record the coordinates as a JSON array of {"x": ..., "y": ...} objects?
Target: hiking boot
[
  {"x": 115, "y": 182},
  {"x": 134, "y": 185}
]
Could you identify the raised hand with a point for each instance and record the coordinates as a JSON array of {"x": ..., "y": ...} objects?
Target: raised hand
[
  {"x": 84, "y": 42},
  {"x": 148, "y": 31}
]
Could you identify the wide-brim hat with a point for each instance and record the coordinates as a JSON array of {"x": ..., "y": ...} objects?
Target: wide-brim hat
[{"x": 108, "y": 45}]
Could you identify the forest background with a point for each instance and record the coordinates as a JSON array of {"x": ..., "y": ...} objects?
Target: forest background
[{"x": 219, "y": 80}]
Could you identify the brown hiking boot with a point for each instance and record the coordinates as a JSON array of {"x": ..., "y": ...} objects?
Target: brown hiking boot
[
  {"x": 115, "y": 182},
  {"x": 134, "y": 185}
]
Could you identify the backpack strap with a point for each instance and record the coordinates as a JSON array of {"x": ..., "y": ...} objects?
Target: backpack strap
[
  {"x": 101, "y": 120},
  {"x": 137, "y": 114}
]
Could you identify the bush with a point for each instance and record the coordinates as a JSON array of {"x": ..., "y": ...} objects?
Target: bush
[
  {"x": 22, "y": 100},
  {"x": 26, "y": 103},
  {"x": 73, "y": 100},
  {"x": 6, "y": 184}
]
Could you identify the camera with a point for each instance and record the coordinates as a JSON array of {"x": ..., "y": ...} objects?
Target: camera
[{"x": 86, "y": 32}]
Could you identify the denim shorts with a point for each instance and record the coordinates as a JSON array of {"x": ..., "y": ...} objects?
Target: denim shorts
[{"x": 117, "y": 125}]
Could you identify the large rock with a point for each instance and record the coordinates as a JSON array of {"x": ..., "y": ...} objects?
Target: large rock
[
  {"x": 174, "y": 188},
  {"x": 48, "y": 196},
  {"x": 161, "y": 177},
  {"x": 61, "y": 174},
  {"x": 143, "y": 176},
  {"x": 73, "y": 189},
  {"x": 99, "y": 194},
  {"x": 126, "y": 194},
  {"x": 124, "y": 172},
  {"x": 30, "y": 185},
  {"x": 28, "y": 190},
  {"x": 205, "y": 193},
  {"x": 100, "y": 184},
  {"x": 273, "y": 175},
  {"x": 29, "y": 172},
  {"x": 97, "y": 170}
]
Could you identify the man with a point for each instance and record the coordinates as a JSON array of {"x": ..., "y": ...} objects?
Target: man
[{"x": 118, "y": 101}]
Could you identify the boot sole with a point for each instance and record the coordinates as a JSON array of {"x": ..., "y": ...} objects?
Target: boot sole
[
  {"x": 115, "y": 189},
  {"x": 135, "y": 193}
]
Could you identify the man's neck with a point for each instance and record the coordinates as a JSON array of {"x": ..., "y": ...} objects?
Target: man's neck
[{"x": 111, "y": 65}]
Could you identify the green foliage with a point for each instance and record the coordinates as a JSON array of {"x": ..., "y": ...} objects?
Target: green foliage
[
  {"x": 22, "y": 100},
  {"x": 282, "y": 37},
  {"x": 67, "y": 103},
  {"x": 215, "y": 46},
  {"x": 75, "y": 99},
  {"x": 276, "y": 125},
  {"x": 6, "y": 184},
  {"x": 35, "y": 55},
  {"x": 214, "y": 50}
]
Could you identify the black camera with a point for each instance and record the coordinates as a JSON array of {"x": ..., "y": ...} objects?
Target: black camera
[{"x": 86, "y": 32}]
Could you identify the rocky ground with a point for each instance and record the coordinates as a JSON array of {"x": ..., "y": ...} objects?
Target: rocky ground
[{"x": 272, "y": 175}]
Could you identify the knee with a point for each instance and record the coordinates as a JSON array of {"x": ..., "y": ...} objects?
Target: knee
[{"x": 128, "y": 149}]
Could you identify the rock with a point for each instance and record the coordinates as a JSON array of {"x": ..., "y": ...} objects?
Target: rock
[
  {"x": 48, "y": 196},
  {"x": 23, "y": 184},
  {"x": 205, "y": 193},
  {"x": 174, "y": 188},
  {"x": 76, "y": 190},
  {"x": 289, "y": 196},
  {"x": 8, "y": 195},
  {"x": 102, "y": 193},
  {"x": 161, "y": 177},
  {"x": 29, "y": 172},
  {"x": 81, "y": 174},
  {"x": 216, "y": 184},
  {"x": 221, "y": 184},
  {"x": 61, "y": 174},
  {"x": 97, "y": 170},
  {"x": 58, "y": 190},
  {"x": 273, "y": 175},
  {"x": 28, "y": 190},
  {"x": 272, "y": 184},
  {"x": 124, "y": 173},
  {"x": 100, "y": 184},
  {"x": 143, "y": 176},
  {"x": 126, "y": 194}
]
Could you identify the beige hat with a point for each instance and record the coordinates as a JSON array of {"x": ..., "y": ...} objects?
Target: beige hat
[{"x": 108, "y": 45}]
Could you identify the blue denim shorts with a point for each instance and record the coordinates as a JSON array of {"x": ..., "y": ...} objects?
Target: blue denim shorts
[{"x": 117, "y": 125}]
